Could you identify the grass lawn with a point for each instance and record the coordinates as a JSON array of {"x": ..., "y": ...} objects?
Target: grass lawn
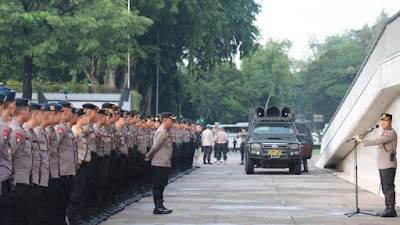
[{"x": 315, "y": 152}]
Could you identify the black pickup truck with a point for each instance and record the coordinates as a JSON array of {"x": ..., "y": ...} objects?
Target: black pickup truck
[{"x": 272, "y": 141}]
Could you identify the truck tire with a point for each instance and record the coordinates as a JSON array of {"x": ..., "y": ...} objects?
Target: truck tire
[
  {"x": 291, "y": 166},
  {"x": 249, "y": 166},
  {"x": 297, "y": 168}
]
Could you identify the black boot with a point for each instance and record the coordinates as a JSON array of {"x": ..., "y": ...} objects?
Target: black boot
[
  {"x": 390, "y": 211},
  {"x": 160, "y": 209}
]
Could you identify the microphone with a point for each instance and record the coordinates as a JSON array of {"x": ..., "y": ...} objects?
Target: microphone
[{"x": 365, "y": 132}]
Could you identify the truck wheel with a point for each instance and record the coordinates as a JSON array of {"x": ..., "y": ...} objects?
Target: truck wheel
[
  {"x": 297, "y": 168},
  {"x": 249, "y": 166},
  {"x": 291, "y": 166}
]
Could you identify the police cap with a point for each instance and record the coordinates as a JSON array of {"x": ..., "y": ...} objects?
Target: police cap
[
  {"x": 90, "y": 106},
  {"x": 57, "y": 107},
  {"x": 35, "y": 106},
  {"x": 10, "y": 94},
  {"x": 22, "y": 102},
  {"x": 386, "y": 116},
  {"x": 65, "y": 104},
  {"x": 164, "y": 115}
]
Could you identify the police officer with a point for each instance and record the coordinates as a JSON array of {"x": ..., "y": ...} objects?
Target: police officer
[
  {"x": 91, "y": 116},
  {"x": 123, "y": 149},
  {"x": 101, "y": 139},
  {"x": 160, "y": 156},
  {"x": 80, "y": 190},
  {"x": 52, "y": 200},
  {"x": 21, "y": 149},
  {"x": 43, "y": 143},
  {"x": 387, "y": 162},
  {"x": 36, "y": 116},
  {"x": 7, "y": 107},
  {"x": 67, "y": 159}
]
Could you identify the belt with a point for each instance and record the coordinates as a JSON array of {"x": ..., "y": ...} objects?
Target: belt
[
  {"x": 85, "y": 163},
  {"x": 107, "y": 156},
  {"x": 67, "y": 176}
]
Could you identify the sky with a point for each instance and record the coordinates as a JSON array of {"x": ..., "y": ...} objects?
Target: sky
[{"x": 298, "y": 20}]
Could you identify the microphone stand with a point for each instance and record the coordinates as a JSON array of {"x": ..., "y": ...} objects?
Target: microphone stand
[{"x": 356, "y": 174}]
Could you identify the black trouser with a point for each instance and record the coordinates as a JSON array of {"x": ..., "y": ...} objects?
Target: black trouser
[
  {"x": 37, "y": 211},
  {"x": 52, "y": 203},
  {"x": 80, "y": 191},
  {"x": 160, "y": 181},
  {"x": 387, "y": 181},
  {"x": 123, "y": 172},
  {"x": 20, "y": 204},
  {"x": 242, "y": 151},
  {"x": 224, "y": 150},
  {"x": 5, "y": 202},
  {"x": 66, "y": 186},
  {"x": 207, "y": 153},
  {"x": 218, "y": 151}
]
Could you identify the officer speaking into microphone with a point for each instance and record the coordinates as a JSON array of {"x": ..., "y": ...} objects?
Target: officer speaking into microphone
[{"x": 387, "y": 162}]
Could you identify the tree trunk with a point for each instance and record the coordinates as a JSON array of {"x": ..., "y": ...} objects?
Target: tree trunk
[
  {"x": 147, "y": 99},
  {"x": 111, "y": 78},
  {"x": 27, "y": 83},
  {"x": 91, "y": 72}
]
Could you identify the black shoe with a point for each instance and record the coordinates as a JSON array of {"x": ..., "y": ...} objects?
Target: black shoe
[
  {"x": 160, "y": 209},
  {"x": 390, "y": 211},
  {"x": 204, "y": 163},
  {"x": 241, "y": 163}
]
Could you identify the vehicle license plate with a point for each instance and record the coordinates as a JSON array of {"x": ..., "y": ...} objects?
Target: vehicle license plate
[{"x": 275, "y": 153}]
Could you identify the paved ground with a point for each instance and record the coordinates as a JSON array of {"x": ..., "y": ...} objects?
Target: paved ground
[{"x": 224, "y": 195}]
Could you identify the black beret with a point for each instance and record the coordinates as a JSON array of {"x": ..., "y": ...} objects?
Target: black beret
[
  {"x": 103, "y": 112},
  {"x": 3, "y": 97},
  {"x": 9, "y": 92},
  {"x": 123, "y": 114},
  {"x": 65, "y": 104},
  {"x": 48, "y": 108},
  {"x": 73, "y": 110},
  {"x": 107, "y": 105},
  {"x": 57, "y": 107},
  {"x": 90, "y": 106},
  {"x": 80, "y": 111},
  {"x": 167, "y": 115},
  {"x": 21, "y": 102},
  {"x": 35, "y": 106},
  {"x": 134, "y": 112}
]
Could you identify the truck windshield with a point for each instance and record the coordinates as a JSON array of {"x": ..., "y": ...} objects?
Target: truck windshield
[{"x": 273, "y": 129}]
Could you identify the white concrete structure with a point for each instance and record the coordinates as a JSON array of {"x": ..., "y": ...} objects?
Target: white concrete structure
[{"x": 375, "y": 90}]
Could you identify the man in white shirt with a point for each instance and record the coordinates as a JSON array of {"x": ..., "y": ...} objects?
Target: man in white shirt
[{"x": 207, "y": 139}]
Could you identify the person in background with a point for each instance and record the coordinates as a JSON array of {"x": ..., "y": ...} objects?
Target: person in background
[
  {"x": 207, "y": 140},
  {"x": 65, "y": 90},
  {"x": 239, "y": 135},
  {"x": 197, "y": 152}
]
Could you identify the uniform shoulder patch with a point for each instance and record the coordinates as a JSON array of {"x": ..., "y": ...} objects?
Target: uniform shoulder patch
[
  {"x": 18, "y": 138},
  {"x": 60, "y": 130},
  {"x": 6, "y": 134}
]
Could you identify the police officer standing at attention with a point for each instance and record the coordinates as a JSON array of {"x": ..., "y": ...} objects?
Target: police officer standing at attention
[
  {"x": 160, "y": 155},
  {"x": 7, "y": 104},
  {"x": 387, "y": 162},
  {"x": 68, "y": 163},
  {"x": 21, "y": 148}
]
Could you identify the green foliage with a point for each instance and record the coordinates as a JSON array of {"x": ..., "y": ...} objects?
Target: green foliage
[{"x": 327, "y": 75}]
